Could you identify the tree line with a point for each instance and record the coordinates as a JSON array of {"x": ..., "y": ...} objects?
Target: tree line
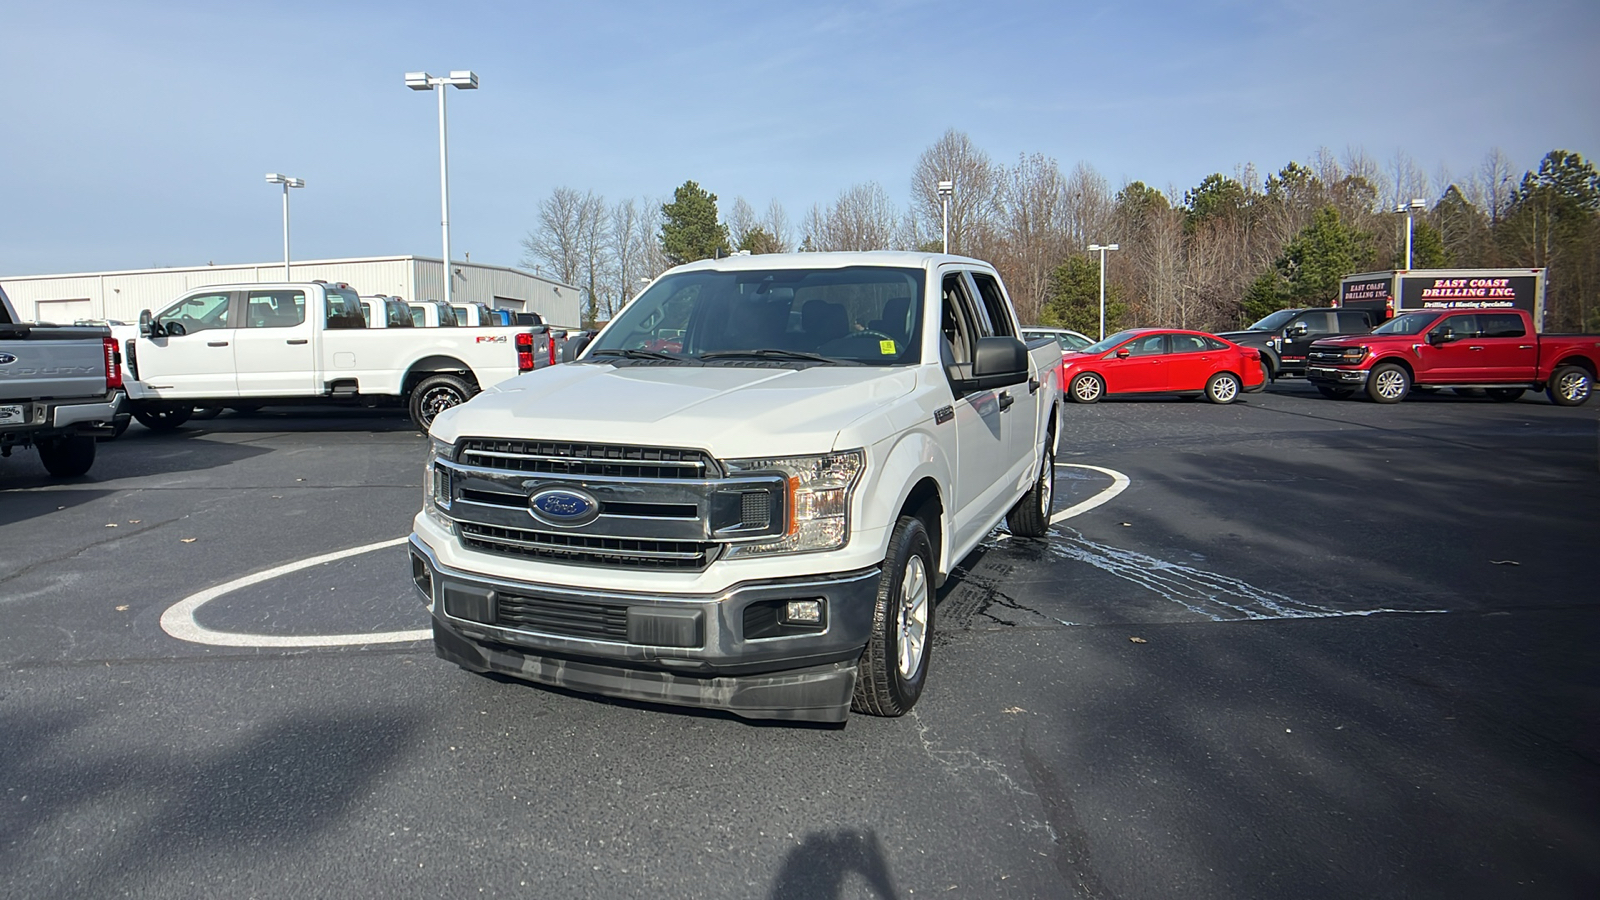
[{"x": 1212, "y": 257}]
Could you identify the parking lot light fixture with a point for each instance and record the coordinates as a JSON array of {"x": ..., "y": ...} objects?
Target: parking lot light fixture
[
  {"x": 1102, "y": 248},
  {"x": 1408, "y": 209},
  {"x": 287, "y": 182},
  {"x": 947, "y": 189},
  {"x": 465, "y": 80}
]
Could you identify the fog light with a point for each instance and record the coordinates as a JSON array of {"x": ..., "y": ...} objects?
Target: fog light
[{"x": 802, "y": 612}]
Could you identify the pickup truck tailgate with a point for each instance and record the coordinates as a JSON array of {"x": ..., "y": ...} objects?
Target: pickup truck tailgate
[{"x": 42, "y": 362}]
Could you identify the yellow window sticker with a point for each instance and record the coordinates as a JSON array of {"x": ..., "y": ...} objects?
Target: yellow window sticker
[{"x": 886, "y": 348}]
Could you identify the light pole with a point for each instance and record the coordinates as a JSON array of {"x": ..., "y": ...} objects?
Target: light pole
[
  {"x": 1102, "y": 248},
  {"x": 422, "y": 81},
  {"x": 1408, "y": 209},
  {"x": 287, "y": 182},
  {"x": 946, "y": 189}
]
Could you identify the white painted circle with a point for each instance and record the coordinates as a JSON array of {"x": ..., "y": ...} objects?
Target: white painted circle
[
  {"x": 1119, "y": 483},
  {"x": 179, "y": 621}
]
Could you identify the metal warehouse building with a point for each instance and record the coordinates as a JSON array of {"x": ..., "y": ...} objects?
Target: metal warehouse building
[{"x": 121, "y": 295}]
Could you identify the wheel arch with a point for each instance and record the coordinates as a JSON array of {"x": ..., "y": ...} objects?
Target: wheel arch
[{"x": 438, "y": 364}]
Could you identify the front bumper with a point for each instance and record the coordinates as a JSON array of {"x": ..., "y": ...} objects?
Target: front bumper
[
  {"x": 723, "y": 651},
  {"x": 1336, "y": 377}
]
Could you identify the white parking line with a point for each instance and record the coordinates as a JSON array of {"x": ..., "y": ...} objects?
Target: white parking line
[
  {"x": 1119, "y": 483},
  {"x": 179, "y": 621}
]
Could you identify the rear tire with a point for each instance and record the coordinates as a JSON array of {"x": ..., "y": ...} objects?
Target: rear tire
[
  {"x": 894, "y": 665},
  {"x": 1031, "y": 516},
  {"x": 1504, "y": 395},
  {"x": 161, "y": 417},
  {"x": 1388, "y": 383},
  {"x": 67, "y": 457},
  {"x": 1569, "y": 386},
  {"x": 1335, "y": 393},
  {"x": 1087, "y": 388},
  {"x": 434, "y": 395},
  {"x": 1223, "y": 388}
]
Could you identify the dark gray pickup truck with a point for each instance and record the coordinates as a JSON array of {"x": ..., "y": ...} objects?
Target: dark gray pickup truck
[{"x": 60, "y": 387}]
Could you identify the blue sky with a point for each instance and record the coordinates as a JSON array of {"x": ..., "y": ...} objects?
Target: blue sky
[{"x": 136, "y": 134}]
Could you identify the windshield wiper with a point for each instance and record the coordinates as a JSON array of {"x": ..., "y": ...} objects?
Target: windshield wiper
[
  {"x": 773, "y": 353},
  {"x": 642, "y": 354}
]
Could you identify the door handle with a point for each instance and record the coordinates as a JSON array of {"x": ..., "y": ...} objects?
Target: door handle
[
  {"x": 1524, "y": 346},
  {"x": 1474, "y": 348},
  {"x": 1006, "y": 400},
  {"x": 296, "y": 341},
  {"x": 1033, "y": 385},
  {"x": 216, "y": 343}
]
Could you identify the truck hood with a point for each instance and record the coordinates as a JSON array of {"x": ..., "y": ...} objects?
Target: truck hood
[
  {"x": 1246, "y": 337},
  {"x": 1353, "y": 340},
  {"x": 730, "y": 411}
]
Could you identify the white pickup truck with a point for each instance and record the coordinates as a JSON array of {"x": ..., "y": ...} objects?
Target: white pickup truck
[
  {"x": 746, "y": 490},
  {"x": 253, "y": 345},
  {"x": 60, "y": 387}
]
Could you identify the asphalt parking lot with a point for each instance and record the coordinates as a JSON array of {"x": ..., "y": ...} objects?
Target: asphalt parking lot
[{"x": 1313, "y": 648}]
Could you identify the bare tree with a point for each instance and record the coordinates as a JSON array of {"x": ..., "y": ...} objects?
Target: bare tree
[
  {"x": 628, "y": 245},
  {"x": 1031, "y": 230},
  {"x": 777, "y": 225},
  {"x": 593, "y": 249},
  {"x": 954, "y": 158},
  {"x": 555, "y": 244},
  {"x": 862, "y": 218},
  {"x": 741, "y": 220}
]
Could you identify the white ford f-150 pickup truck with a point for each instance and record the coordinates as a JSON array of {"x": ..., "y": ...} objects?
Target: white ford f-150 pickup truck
[
  {"x": 253, "y": 345},
  {"x": 746, "y": 490},
  {"x": 60, "y": 387}
]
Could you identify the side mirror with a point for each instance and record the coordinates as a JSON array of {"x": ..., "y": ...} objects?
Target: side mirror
[
  {"x": 575, "y": 346},
  {"x": 1297, "y": 330},
  {"x": 1442, "y": 336},
  {"x": 147, "y": 323},
  {"x": 1124, "y": 353},
  {"x": 999, "y": 362}
]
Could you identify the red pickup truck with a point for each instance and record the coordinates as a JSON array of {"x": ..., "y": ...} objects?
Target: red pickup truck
[{"x": 1498, "y": 351}]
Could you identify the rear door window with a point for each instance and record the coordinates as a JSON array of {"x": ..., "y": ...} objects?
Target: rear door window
[
  {"x": 1501, "y": 325},
  {"x": 1352, "y": 322},
  {"x": 274, "y": 309}
]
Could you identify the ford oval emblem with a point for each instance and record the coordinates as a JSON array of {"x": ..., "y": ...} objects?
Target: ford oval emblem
[
  {"x": 564, "y": 506},
  {"x": 7, "y": 359}
]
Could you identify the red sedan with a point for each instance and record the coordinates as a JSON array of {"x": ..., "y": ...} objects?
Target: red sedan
[{"x": 1162, "y": 361}]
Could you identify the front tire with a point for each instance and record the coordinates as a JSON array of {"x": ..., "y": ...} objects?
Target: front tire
[
  {"x": 158, "y": 417},
  {"x": 1087, "y": 388},
  {"x": 1569, "y": 386},
  {"x": 435, "y": 395},
  {"x": 1388, "y": 383},
  {"x": 67, "y": 457},
  {"x": 1335, "y": 393},
  {"x": 1223, "y": 388},
  {"x": 894, "y": 665},
  {"x": 1031, "y": 516}
]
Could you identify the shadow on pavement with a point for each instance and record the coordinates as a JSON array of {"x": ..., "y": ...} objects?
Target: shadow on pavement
[{"x": 820, "y": 867}]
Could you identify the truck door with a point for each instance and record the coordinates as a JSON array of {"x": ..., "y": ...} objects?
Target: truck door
[
  {"x": 980, "y": 431},
  {"x": 1511, "y": 353},
  {"x": 1301, "y": 331},
  {"x": 194, "y": 357},
  {"x": 1019, "y": 403},
  {"x": 275, "y": 352},
  {"x": 1452, "y": 353}
]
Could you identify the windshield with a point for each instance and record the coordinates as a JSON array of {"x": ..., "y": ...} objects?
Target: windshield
[
  {"x": 1107, "y": 342},
  {"x": 1274, "y": 321},
  {"x": 867, "y": 315},
  {"x": 1410, "y": 323}
]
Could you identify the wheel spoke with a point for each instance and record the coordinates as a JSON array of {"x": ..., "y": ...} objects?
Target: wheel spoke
[{"x": 913, "y": 616}]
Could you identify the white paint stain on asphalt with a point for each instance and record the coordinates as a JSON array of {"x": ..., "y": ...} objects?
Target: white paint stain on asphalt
[
  {"x": 179, "y": 620},
  {"x": 1219, "y": 598}
]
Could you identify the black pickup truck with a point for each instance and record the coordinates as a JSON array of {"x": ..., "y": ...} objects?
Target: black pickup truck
[
  {"x": 1284, "y": 337},
  {"x": 60, "y": 387}
]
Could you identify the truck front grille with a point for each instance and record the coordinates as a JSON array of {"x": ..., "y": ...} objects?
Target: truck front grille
[
  {"x": 615, "y": 552},
  {"x": 563, "y": 458}
]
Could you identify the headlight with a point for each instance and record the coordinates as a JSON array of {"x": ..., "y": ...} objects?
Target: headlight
[
  {"x": 818, "y": 501},
  {"x": 436, "y": 483},
  {"x": 1353, "y": 354}
]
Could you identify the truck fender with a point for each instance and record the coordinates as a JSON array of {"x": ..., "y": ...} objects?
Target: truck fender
[
  {"x": 434, "y": 365},
  {"x": 914, "y": 462}
]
